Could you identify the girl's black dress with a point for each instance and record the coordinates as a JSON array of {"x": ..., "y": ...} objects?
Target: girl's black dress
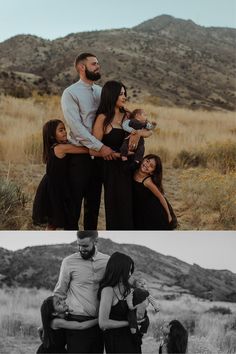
[
  {"x": 120, "y": 340},
  {"x": 58, "y": 337},
  {"x": 149, "y": 214},
  {"x": 53, "y": 203},
  {"x": 117, "y": 186}
]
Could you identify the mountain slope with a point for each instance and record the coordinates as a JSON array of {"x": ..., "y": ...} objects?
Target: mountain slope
[
  {"x": 174, "y": 60},
  {"x": 39, "y": 267}
]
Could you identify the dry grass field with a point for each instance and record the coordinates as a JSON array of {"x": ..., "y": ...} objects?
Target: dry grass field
[
  {"x": 210, "y": 332},
  {"x": 198, "y": 150}
]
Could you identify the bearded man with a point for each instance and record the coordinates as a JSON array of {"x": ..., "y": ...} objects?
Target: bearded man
[
  {"x": 78, "y": 283},
  {"x": 80, "y": 102}
]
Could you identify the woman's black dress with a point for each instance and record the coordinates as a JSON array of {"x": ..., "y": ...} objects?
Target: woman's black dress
[
  {"x": 58, "y": 337},
  {"x": 53, "y": 203},
  {"x": 117, "y": 186},
  {"x": 149, "y": 214},
  {"x": 120, "y": 340}
]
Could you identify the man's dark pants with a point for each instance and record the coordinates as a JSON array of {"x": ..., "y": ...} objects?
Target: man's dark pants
[
  {"x": 85, "y": 341},
  {"x": 85, "y": 178}
]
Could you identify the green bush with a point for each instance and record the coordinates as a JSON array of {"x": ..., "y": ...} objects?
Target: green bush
[{"x": 12, "y": 202}]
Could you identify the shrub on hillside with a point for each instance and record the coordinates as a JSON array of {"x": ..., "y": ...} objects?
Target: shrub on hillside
[
  {"x": 12, "y": 201},
  {"x": 219, "y": 310},
  {"x": 221, "y": 157},
  {"x": 186, "y": 159}
]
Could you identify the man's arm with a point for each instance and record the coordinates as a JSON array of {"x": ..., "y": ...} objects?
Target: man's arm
[
  {"x": 63, "y": 282},
  {"x": 72, "y": 116}
]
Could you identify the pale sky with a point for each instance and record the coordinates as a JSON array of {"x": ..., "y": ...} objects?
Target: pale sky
[
  {"x": 209, "y": 249},
  {"x": 52, "y": 19}
]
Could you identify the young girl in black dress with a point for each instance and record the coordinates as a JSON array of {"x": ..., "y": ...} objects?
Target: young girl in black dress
[
  {"x": 54, "y": 312},
  {"x": 149, "y": 197},
  {"x": 175, "y": 338},
  {"x": 53, "y": 203}
]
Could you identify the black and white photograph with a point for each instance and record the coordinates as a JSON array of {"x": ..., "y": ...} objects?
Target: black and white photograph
[{"x": 122, "y": 292}]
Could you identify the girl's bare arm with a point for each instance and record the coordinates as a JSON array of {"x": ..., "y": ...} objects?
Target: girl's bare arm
[
  {"x": 62, "y": 323},
  {"x": 61, "y": 150}
]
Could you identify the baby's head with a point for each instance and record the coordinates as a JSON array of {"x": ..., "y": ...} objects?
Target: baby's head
[
  {"x": 139, "y": 282},
  {"x": 139, "y": 114}
]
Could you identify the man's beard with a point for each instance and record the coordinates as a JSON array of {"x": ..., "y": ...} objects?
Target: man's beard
[
  {"x": 91, "y": 75},
  {"x": 88, "y": 254}
]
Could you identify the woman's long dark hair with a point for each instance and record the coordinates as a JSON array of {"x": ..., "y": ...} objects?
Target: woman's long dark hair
[
  {"x": 117, "y": 270},
  {"x": 157, "y": 173},
  {"x": 47, "y": 310},
  {"x": 49, "y": 136},
  {"x": 177, "y": 338},
  {"x": 109, "y": 96}
]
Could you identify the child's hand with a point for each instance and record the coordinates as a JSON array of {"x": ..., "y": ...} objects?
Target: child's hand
[{"x": 157, "y": 309}]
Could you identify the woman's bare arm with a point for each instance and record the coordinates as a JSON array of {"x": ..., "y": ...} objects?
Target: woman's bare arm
[{"x": 104, "y": 311}]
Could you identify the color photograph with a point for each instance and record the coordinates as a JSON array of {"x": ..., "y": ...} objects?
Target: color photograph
[{"x": 117, "y": 116}]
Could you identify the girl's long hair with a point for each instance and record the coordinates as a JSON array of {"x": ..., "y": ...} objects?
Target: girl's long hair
[
  {"x": 118, "y": 269},
  {"x": 157, "y": 173},
  {"x": 177, "y": 338},
  {"x": 47, "y": 316},
  {"x": 109, "y": 96},
  {"x": 49, "y": 136}
]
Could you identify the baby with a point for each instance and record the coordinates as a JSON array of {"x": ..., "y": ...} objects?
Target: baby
[
  {"x": 138, "y": 303},
  {"x": 137, "y": 120}
]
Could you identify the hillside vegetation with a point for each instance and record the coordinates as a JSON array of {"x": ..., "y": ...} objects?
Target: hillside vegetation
[
  {"x": 209, "y": 331},
  {"x": 39, "y": 267},
  {"x": 198, "y": 151},
  {"x": 179, "y": 62}
]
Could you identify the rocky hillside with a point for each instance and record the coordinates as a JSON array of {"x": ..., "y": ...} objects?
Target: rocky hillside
[
  {"x": 39, "y": 267},
  {"x": 165, "y": 60}
]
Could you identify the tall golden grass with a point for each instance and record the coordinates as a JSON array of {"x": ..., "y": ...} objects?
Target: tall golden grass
[
  {"x": 184, "y": 139},
  {"x": 208, "y": 332},
  {"x": 21, "y": 123}
]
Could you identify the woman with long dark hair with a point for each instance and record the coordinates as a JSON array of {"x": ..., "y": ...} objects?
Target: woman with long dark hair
[
  {"x": 175, "y": 339},
  {"x": 117, "y": 174},
  {"x": 113, "y": 310},
  {"x": 148, "y": 194}
]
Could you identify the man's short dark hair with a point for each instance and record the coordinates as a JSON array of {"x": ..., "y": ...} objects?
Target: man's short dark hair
[
  {"x": 82, "y": 57},
  {"x": 87, "y": 233}
]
